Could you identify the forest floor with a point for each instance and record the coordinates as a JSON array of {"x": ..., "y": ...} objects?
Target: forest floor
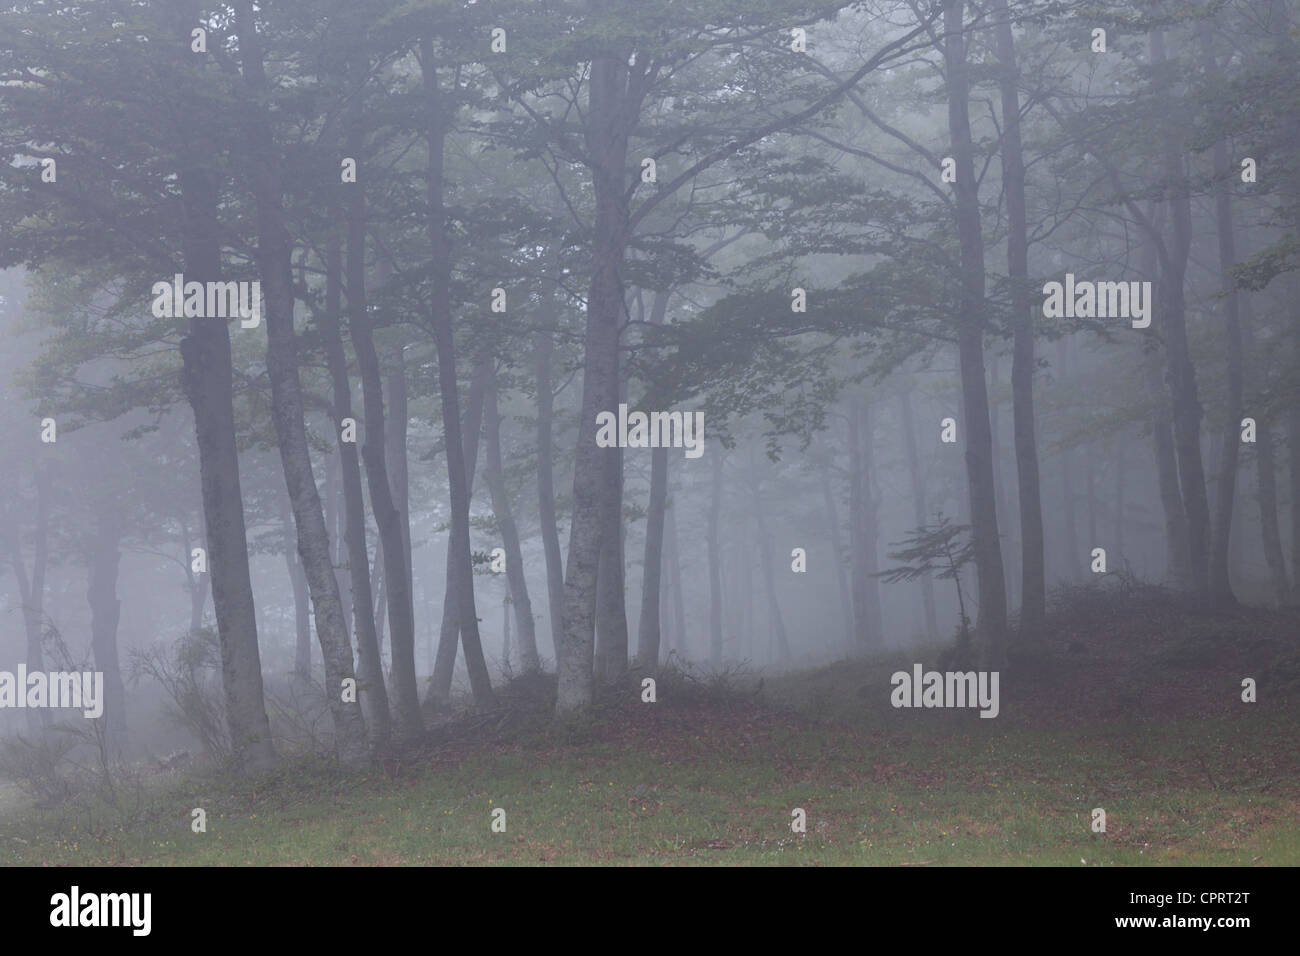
[{"x": 1131, "y": 704}]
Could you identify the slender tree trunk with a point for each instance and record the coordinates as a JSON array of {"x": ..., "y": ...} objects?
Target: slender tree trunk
[
  {"x": 397, "y": 421},
  {"x": 648, "y": 629},
  {"x": 992, "y": 626},
  {"x": 859, "y": 583},
  {"x": 449, "y": 631},
  {"x": 1117, "y": 536},
  {"x": 505, "y": 630},
  {"x": 372, "y": 693},
  {"x": 611, "y": 586},
  {"x": 298, "y": 585},
  {"x": 1069, "y": 500},
  {"x": 1177, "y": 549},
  {"x": 1187, "y": 411},
  {"x": 546, "y": 475},
  {"x": 839, "y": 555},
  {"x": 715, "y": 562},
  {"x": 1230, "y": 450},
  {"x": 287, "y": 413},
  {"x": 495, "y": 476},
  {"x": 777, "y": 619},
  {"x": 378, "y": 579},
  {"x": 105, "y": 612},
  {"x": 198, "y": 600},
  {"x": 920, "y": 510},
  {"x": 389, "y": 520},
  {"x": 207, "y": 381},
  {"x": 674, "y": 557},
  {"x": 1293, "y": 443},
  {"x": 459, "y": 557},
  {"x": 1090, "y": 493},
  {"x": 1011, "y": 557},
  {"x": 607, "y": 129},
  {"x": 871, "y": 632},
  {"x": 1033, "y": 578},
  {"x": 1265, "y": 470}
]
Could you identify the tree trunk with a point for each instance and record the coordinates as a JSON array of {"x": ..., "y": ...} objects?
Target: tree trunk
[
  {"x": 1220, "y": 584},
  {"x": 1265, "y": 470},
  {"x": 715, "y": 562},
  {"x": 992, "y": 624},
  {"x": 869, "y": 630},
  {"x": 389, "y": 520},
  {"x": 839, "y": 555},
  {"x": 674, "y": 557},
  {"x": 777, "y": 619},
  {"x": 298, "y": 585},
  {"x": 1121, "y": 456},
  {"x": 397, "y": 421},
  {"x": 546, "y": 475},
  {"x": 1069, "y": 500},
  {"x": 1033, "y": 578},
  {"x": 459, "y": 556},
  {"x": 607, "y": 130},
  {"x": 449, "y": 630},
  {"x": 105, "y": 612},
  {"x": 1178, "y": 552},
  {"x": 495, "y": 476},
  {"x": 920, "y": 510},
  {"x": 1187, "y": 411},
  {"x": 372, "y": 693},
  {"x": 505, "y": 630},
  {"x": 611, "y": 574},
  {"x": 648, "y": 629},
  {"x": 207, "y": 381},
  {"x": 287, "y": 413}
]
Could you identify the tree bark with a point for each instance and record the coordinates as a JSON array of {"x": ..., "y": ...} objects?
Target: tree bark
[
  {"x": 1230, "y": 450},
  {"x": 372, "y": 693},
  {"x": 920, "y": 510},
  {"x": 992, "y": 624},
  {"x": 1033, "y": 578},
  {"x": 1265, "y": 471},
  {"x": 449, "y": 630},
  {"x": 875, "y": 632},
  {"x": 839, "y": 555},
  {"x": 494, "y": 475},
  {"x": 674, "y": 557},
  {"x": 459, "y": 556},
  {"x": 1187, "y": 411},
  {"x": 607, "y": 130},
  {"x": 546, "y": 474},
  {"x": 207, "y": 381},
  {"x": 715, "y": 561},
  {"x": 611, "y": 587},
  {"x": 389, "y": 520},
  {"x": 648, "y": 628},
  {"x": 765, "y": 547},
  {"x": 105, "y": 612},
  {"x": 287, "y": 413},
  {"x": 298, "y": 586}
]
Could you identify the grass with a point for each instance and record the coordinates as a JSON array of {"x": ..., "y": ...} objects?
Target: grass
[{"x": 711, "y": 777}]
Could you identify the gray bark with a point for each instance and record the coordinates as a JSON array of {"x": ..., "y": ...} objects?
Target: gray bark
[
  {"x": 494, "y": 475},
  {"x": 992, "y": 624},
  {"x": 287, "y": 412}
]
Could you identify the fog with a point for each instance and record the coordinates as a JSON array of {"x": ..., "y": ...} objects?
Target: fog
[{"x": 606, "y": 342}]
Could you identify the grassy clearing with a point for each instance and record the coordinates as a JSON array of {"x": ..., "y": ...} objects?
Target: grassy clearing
[{"x": 711, "y": 776}]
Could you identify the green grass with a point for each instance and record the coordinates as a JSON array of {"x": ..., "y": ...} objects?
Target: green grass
[{"x": 694, "y": 781}]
